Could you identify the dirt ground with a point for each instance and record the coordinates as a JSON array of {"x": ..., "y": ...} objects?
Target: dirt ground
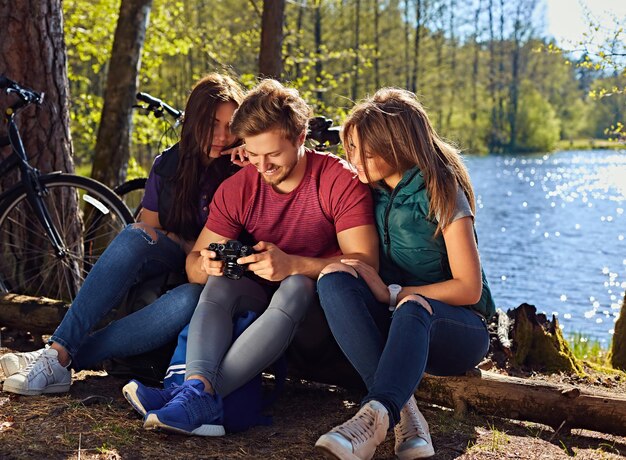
[{"x": 95, "y": 421}]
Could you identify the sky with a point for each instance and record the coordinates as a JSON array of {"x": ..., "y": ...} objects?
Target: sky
[{"x": 566, "y": 21}]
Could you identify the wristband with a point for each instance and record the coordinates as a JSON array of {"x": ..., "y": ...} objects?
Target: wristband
[{"x": 394, "y": 290}]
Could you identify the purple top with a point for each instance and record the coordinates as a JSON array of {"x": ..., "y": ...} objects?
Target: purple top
[{"x": 155, "y": 182}]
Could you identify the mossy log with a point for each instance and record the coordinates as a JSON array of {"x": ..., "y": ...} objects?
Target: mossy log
[
  {"x": 31, "y": 314},
  {"x": 561, "y": 407},
  {"x": 618, "y": 349}
]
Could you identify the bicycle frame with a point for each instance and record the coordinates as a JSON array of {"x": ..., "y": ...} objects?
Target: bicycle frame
[{"x": 30, "y": 179}]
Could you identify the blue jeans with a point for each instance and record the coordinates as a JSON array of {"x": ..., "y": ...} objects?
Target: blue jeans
[
  {"x": 133, "y": 256},
  {"x": 449, "y": 342}
]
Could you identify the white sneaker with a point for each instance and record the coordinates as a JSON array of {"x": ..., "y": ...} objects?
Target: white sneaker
[
  {"x": 412, "y": 435},
  {"x": 12, "y": 363},
  {"x": 358, "y": 438},
  {"x": 44, "y": 375}
]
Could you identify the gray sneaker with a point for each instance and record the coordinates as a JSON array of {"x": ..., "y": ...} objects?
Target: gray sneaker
[
  {"x": 412, "y": 435},
  {"x": 357, "y": 438},
  {"x": 12, "y": 363},
  {"x": 44, "y": 375}
]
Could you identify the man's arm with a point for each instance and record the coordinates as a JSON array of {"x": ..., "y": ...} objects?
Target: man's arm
[
  {"x": 275, "y": 265},
  {"x": 200, "y": 264}
]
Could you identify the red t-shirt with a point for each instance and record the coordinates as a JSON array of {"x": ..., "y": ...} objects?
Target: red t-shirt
[{"x": 303, "y": 222}]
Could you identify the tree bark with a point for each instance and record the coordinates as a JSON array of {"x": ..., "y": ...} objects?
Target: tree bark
[
  {"x": 32, "y": 52},
  {"x": 113, "y": 141},
  {"x": 618, "y": 349},
  {"x": 357, "y": 37},
  {"x": 557, "y": 406},
  {"x": 416, "y": 48},
  {"x": 270, "y": 56},
  {"x": 475, "y": 62},
  {"x": 317, "y": 34},
  {"x": 376, "y": 45}
]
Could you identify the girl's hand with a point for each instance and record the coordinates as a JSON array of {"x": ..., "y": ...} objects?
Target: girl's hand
[
  {"x": 238, "y": 155},
  {"x": 371, "y": 277}
]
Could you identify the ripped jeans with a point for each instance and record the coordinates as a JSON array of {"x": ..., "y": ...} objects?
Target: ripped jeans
[
  {"x": 133, "y": 256},
  {"x": 392, "y": 352}
]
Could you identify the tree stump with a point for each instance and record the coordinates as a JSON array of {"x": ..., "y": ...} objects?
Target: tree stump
[
  {"x": 535, "y": 343},
  {"x": 618, "y": 349}
]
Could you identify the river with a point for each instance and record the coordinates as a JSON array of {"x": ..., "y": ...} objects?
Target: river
[{"x": 552, "y": 233}]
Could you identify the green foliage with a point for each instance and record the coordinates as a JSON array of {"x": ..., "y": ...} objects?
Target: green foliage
[
  {"x": 463, "y": 74},
  {"x": 537, "y": 122}
]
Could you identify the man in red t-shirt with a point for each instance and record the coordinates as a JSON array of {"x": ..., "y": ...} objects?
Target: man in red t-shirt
[{"x": 305, "y": 210}]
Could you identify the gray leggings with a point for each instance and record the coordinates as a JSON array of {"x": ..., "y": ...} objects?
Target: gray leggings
[{"x": 209, "y": 350}]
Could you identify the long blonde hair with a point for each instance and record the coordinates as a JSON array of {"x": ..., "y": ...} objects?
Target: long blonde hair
[{"x": 394, "y": 126}]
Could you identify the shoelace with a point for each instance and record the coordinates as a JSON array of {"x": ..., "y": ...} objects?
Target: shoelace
[
  {"x": 360, "y": 427},
  {"x": 183, "y": 394},
  {"x": 41, "y": 361},
  {"x": 409, "y": 425}
]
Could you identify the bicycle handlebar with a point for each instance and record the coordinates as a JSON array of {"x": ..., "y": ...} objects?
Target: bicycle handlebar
[
  {"x": 25, "y": 94},
  {"x": 157, "y": 106}
]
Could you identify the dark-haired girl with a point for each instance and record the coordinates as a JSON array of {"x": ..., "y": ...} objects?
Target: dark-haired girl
[{"x": 179, "y": 189}]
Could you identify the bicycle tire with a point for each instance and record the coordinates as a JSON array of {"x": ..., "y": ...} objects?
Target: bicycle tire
[
  {"x": 131, "y": 192},
  {"x": 87, "y": 216}
]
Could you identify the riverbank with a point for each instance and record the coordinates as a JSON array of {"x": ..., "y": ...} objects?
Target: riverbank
[{"x": 588, "y": 144}]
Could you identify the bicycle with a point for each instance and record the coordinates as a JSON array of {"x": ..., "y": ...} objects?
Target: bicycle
[
  {"x": 54, "y": 226},
  {"x": 132, "y": 191}
]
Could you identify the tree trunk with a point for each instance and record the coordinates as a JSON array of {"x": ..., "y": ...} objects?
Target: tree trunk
[
  {"x": 32, "y": 52},
  {"x": 113, "y": 141},
  {"x": 355, "y": 78},
  {"x": 475, "y": 61},
  {"x": 618, "y": 349},
  {"x": 407, "y": 67},
  {"x": 515, "y": 79},
  {"x": 318, "y": 51},
  {"x": 453, "y": 75},
  {"x": 376, "y": 45},
  {"x": 416, "y": 49},
  {"x": 271, "y": 56},
  {"x": 492, "y": 394}
]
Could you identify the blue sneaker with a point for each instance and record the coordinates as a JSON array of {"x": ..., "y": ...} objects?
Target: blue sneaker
[
  {"x": 145, "y": 399},
  {"x": 191, "y": 411}
]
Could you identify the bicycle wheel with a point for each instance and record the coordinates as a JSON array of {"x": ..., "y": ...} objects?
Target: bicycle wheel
[
  {"x": 131, "y": 193},
  {"x": 87, "y": 216}
]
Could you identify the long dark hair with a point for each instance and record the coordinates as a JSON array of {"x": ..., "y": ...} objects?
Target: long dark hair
[{"x": 195, "y": 142}]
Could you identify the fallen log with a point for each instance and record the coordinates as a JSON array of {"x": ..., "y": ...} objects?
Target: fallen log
[
  {"x": 32, "y": 314},
  {"x": 486, "y": 393},
  {"x": 557, "y": 406}
]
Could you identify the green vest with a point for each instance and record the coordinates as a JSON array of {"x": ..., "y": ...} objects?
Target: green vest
[{"x": 410, "y": 254}]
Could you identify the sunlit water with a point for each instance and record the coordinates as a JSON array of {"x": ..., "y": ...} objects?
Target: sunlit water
[{"x": 552, "y": 232}]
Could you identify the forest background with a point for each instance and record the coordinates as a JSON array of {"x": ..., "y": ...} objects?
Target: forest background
[{"x": 489, "y": 77}]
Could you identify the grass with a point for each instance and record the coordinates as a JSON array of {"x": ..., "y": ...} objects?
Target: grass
[
  {"x": 133, "y": 171},
  {"x": 588, "y": 144},
  {"x": 587, "y": 349}
]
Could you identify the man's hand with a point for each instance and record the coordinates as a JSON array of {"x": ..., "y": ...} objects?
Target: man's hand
[
  {"x": 209, "y": 266},
  {"x": 269, "y": 262}
]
